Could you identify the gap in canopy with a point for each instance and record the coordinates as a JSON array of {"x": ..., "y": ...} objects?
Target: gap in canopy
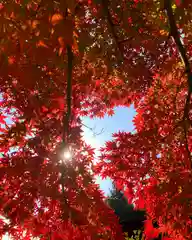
[{"x": 122, "y": 120}]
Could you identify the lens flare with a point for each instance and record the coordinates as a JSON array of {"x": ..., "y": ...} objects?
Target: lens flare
[{"x": 67, "y": 155}]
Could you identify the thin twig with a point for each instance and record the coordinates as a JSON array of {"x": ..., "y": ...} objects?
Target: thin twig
[
  {"x": 90, "y": 128},
  {"x": 99, "y": 133},
  {"x": 125, "y": 40},
  {"x": 93, "y": 130}
]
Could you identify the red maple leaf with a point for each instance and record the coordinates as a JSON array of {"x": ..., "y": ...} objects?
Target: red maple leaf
[
  {"x": 2, "y": 119},
  {"x": 86, "y": 58}
]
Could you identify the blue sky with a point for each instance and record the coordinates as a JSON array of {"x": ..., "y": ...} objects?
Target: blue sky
[{"x": 121, "y": 120}]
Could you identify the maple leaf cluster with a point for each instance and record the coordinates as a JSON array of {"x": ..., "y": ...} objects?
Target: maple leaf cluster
[
  {"x": 41, "y": 195},
  {"x": 153, "y": 164},
  {"x": 124, "y": 52}
]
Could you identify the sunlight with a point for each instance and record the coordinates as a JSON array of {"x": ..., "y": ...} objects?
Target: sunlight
[
  {"x": 66, "y": 154},
  {"x": 6, "y": 237}
]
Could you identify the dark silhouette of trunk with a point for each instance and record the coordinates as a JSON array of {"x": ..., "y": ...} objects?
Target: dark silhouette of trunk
[{"x": 129, "y": 218}]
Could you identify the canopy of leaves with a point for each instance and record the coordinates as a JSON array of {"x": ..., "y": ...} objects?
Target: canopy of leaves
[
  {"x": 153, "y": 165},
  {"x": 112, "y": 53}
]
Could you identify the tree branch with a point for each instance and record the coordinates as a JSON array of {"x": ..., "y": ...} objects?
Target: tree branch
[
  {"x": 105, "y": 4},
  {"x": 183, "y": 53},
  {"x": 67, "y": 117},
  {"x": 66, "y": 123},
  {"x": 176, "y": 36},
  {"x": 186, "y": 143}
]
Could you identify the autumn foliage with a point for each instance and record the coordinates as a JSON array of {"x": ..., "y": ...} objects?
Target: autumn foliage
[{"x": 64, "y": 59}]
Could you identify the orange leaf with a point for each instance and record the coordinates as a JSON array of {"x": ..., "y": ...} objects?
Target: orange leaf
[
  {"x": 56, "y": 18},
  {"x": 41, "y": 44}
]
